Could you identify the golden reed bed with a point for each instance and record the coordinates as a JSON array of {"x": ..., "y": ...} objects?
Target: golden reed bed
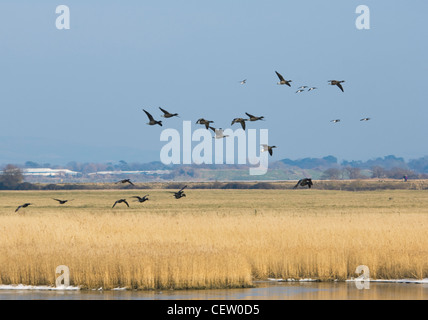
[{"x": 211, "y": 238}]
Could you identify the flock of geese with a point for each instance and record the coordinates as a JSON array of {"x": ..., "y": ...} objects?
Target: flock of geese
[
  {"x": 219, "y": 131},
  {"x": 219, "y": 135},
  {"x": 177, "y": 195}
]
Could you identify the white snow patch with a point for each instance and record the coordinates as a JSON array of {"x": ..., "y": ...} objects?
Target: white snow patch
[
  {"x": 425, "y": 281},
  {"x": 393, "y": 280},
  {"x": 27, "y": 287}
]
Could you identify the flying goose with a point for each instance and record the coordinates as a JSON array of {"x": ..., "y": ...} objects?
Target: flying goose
[
  {"x": 125, "y": 181},
  {"x": 241, "y": 121},
  {"x": 365, "y": 119},
  {"x": 282, "y": 80},
  {"x": 120, "y": 201},
  {"x": 302, "y": 87},
  {"x": 141, "y": 199},
  {"x": 166, "y": 114},
  {"x": 62, "y": 201},
  {"x": 337, "y": 83},
  {"x": 243, "y": 81},
  {"x": 312, "y": 88},
  {"x": 25, "y": 205},
  {"x": 304, "y": 182},
  {"x": 204, "y": 122},
  {"x": 267, "y": 148},
  {"x": 300, "y": 90},
  {"x": 254, "y": 118},
  {"x": 218, "y": 133},
  {"x": 152, "y": 121},
  {"x": 336, "y": 120},
  {"x": 179, "y": 194}
]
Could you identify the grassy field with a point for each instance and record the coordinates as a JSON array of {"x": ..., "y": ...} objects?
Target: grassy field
[{"x": 211, "y": 238}]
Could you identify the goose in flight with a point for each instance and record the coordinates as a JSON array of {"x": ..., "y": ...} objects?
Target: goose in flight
[
  {"x": 254, "y": 118},
  {"x": 121, "y": 201},
  {"x": 267, "y": 148},
  {"x": 335, "y": 120},
  {"x": 152, "y": 121},
  {"x": 302, "y": 87},
  {"x": 25, "y": 205},
  {"x": 241, "y": 121},
  {"x": 365, "y": 119},
  {"x": 204, "y": 122},
  {"x": 282, "y": 80},
  {"x": 243, "y": 81},
  {"x": 125, "y": 181},
  {"x": 304, "y": 182},
  {"x": 179, "y": 194},
  {"x": 166, "y": 114},
  {"x": 312, "y": 88},
  {"x": 337, "y": 83},
  {"x": 141, "y": 199},
  {"x": 218, "y": 133},
  {"x": 62, "y": 201},
  {"x": 300, "y": 90}
]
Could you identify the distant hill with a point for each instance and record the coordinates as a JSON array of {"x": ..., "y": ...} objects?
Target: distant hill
[{"x": 325, "y": 168}]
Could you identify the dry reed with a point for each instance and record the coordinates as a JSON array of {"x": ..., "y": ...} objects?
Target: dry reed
[{"x": 212, "y": 238}]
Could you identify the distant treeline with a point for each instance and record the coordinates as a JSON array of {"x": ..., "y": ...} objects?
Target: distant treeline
[
  {"x": 344, "y": 185},
  {"x": 387, "y": 163}
]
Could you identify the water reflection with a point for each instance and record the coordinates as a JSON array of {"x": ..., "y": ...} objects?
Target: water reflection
[{"x": 262, "y": 291}]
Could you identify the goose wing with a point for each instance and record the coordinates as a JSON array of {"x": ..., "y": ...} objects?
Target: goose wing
[
  {"x": 149, "y": 115},
  {"x": 243, "y": 124},
  {"x": 298, "y": 183},
  {"x": 164, "y": 111},
  {"x": 280, "y": 76}
]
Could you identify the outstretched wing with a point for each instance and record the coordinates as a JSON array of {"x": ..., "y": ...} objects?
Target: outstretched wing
[
  {"x": 149, "y": 115},
  {"x": 270, "y": 151},
  {"x": 340, "y": 86},
  {"x": 243, "y": 124},
  {"x": 164, "y": 111},
  {"x": 280, "y": 76},
  {"x": 18, "y": 208},
  {"x": 126, "y": 203},
  {"x": 182, "y": 189},
  {"x": 250, "y": 115},
  {"x": 298, "y": 183},
  {"x": 114, "y": 204}
]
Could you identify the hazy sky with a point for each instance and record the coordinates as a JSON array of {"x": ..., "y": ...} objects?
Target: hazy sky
[{"x": 78, "y": 94}]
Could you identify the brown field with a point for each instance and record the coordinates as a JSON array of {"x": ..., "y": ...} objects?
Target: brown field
[{"x": 211, "y": 238}]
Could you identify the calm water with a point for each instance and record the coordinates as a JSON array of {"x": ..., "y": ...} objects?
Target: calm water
[{"x": 264, "y": 290}]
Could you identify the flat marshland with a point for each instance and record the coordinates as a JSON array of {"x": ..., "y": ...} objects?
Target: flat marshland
[{"x": 211, "y": 238}]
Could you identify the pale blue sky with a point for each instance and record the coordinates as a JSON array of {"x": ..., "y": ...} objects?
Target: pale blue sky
[{"x": 78, "y": 94}]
